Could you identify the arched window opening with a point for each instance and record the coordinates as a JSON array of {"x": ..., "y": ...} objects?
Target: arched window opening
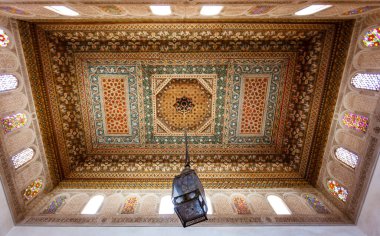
[
  {"x": 166, "y": 205},
  {"x": 278, "y": 205},
  {"x": 33, "y": 189},
  {"x": 366, "y": 81},
  {"x": 347, "y": 157},
  {"x": 356, "y": 122},
  {"x": 8, "y": 82},
  {"x": 130, "y": 206},
  {"x": 209, "y": 206},
  {"x": 4, "y": 39},
  {"x": 337, "y": 190},
  {"x": 22, "y": 157},
  {"x": 55, "y": 205},
  {"x": 372, "y": 37},
  {"x": 93, "y": 205},
  {"x": 317, "y": 205},
  {"x": 241, "y": 205},
  {"x": 13, "y": 122}
]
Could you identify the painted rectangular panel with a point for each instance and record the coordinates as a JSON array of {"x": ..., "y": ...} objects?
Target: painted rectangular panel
[
  {"x": 115, "y": 105},
  {"x": 253, "y": 106}
]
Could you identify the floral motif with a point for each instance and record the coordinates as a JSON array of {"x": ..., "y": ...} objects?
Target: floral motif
[
  {"x": 337, "y": 190},
  {"x": 13, "y": 10},
  {"x": 184, "y": 105},
  {"x": 372, "y": 37},
  {"x": 33, "y": 189},
  {"x": 13, "y": 122},
  {"x": 241, "y": 206},
  {"x": 359, "y": 10},
  {"x": 355, "y": 121},
  {"x": 55, "y": 205},
  {"x": 317, "y": 205},
  {"x": 4, "y": 39},
  {"x": 130, "y": 206}
]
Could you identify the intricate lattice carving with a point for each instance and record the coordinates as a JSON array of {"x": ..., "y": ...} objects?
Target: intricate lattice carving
[
  {"x": 115, "y": 105},
  {"x": 22, "y": 157},
  {"x": 253, "y": 108},
  {"x": 8, "y": 82}
]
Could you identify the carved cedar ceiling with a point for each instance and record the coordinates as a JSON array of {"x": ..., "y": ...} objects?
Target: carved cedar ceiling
[{"x": 113, "y": 99}]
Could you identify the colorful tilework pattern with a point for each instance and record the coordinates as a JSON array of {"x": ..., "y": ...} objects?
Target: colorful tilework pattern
[
  {"x": 33, "y": 189},
  {"x": 359, "y": 10},
  {"x": 22, "y": 157},
  {"x": 102, "y": 101},
  {"x": 356, "y": 122},
  {"x": 13, "y": 10},
  {"x": 55, "y": 205},
  {"x": 4, "y": 39},
  {"x": 372, "y": 38},
  {"x": 347, "y": 157},
  {"x": 241, "y": 206},
  {"x": 115, "y": 105},
  {"x": 317, "y": 205},
  {"x": 366, "y": 81},
  {"x": 129, "y": 206},
  {"x": 13, "y": 122},
  {"x": 253, "y": 109},
  {"x": 8, "y": 82},
  {"x": 337, "y": 190}
]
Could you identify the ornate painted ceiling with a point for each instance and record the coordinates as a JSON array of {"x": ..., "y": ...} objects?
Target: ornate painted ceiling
[
  {"x": 188, "y": 9},
  {"x": 257, "y": 99}
]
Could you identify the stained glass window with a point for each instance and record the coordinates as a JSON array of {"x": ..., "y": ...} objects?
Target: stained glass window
[
  {"x": 347, "y": 157},
  {"x": 354, "y": 121},
  {"x": 372, "y": 37},
  {"x": 8, "y": 82},
  {"x": 13, "y": 122},
  {"x": 241, "y": 205},
  {"x": 55, "y": 205},
  {"x": 337, "y": 190},
  {"x": 366, "y": 81},
  {"x": 317, "y": 205},
  {"x": 129, "y": 206},
  {"x": 278, "y": 205},
  {"x": 4, "y": 39},
  {"x": 22, "y": 157},
  {"x": 33, "y": 189}
]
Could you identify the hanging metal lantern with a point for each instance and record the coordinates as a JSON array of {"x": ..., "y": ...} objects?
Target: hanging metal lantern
[{"x": 188, "y": 195}]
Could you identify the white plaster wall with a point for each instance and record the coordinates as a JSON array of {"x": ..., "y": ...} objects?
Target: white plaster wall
[
  {"x": 176, "y": 231},
  {"x": 369, "y": 220},
  {"x": 6, "y": 222}
]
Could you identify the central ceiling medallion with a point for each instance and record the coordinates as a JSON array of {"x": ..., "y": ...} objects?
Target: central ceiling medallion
[
  {"x": 184, "y": 105},
  {"x": 184, "y": 101}
]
